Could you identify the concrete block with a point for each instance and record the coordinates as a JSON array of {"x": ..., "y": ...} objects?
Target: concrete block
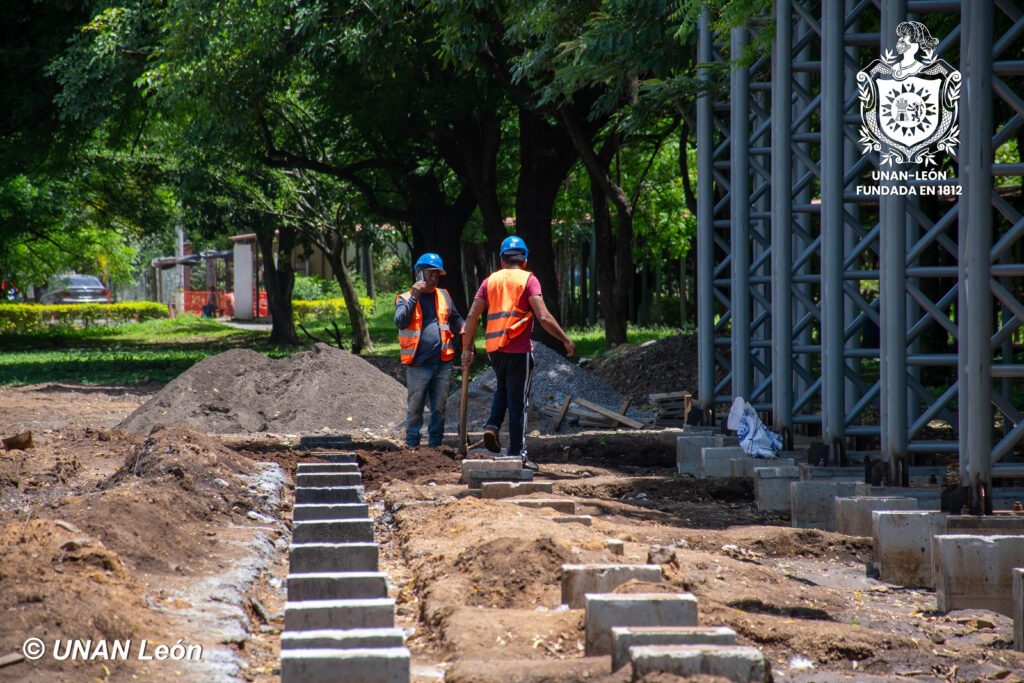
[
  {"x": 902, "y": 543},
  {"x": 771, "y": 487},
  {"x": 507, "y": 489},
  {"x": 927, "y": 497},
  {"x": 337, "y": 586},
  {"x": 853, "y": 515},
  {"x": 563, "y": 505},
  {"x": 606, "y": 611},
  {"x": 309, "y": 615},
  {"x": 307, "y": 512},
  {"x": 342, "y": 639},
  {"x": 585, "y": 520},
  {"x": 328, "y": 479},
  {"x": 616, "y": 546},
  {"x": 326, "y": 467},
  {"x": 306, "y": 558},
  {"x": 688, "y": 453},
  {"x": 812, "y": 503},
  {"x": 989, "y": 525},
  {"x": 333, "y": 531},
  {"x": 338, "y": 456},
  {"x": 717, "y": 462},
  {"x": 745, "y": 466},
  {"x": 625, "y": 637},
  {"x": 580, "y": 579},
  {"x": 478, "y": 477},
  {"x": 976, "y": 571},
  {"x": 490, "y": 464},
  {"x": 329, "y": 494},
  {"x": 365, "y": 665},
  {"x": 733, "y": 662},
  {"x": 1018, "y": 609}
]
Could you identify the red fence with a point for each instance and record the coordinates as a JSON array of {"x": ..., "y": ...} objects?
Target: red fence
[{"x": 195, "y": 300}]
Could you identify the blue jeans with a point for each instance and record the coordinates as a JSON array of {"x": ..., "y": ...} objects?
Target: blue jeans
[{"x": 426, "y": 384}]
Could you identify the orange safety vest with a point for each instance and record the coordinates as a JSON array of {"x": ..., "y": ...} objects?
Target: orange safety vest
[
  {"x": 505, "y": 319},
  {"x": 409, "y": 338}
]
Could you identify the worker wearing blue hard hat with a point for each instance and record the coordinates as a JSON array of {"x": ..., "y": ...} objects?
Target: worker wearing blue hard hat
[
  {"x": 512, "y": 298},
  {"x": 427, "y": 324}
]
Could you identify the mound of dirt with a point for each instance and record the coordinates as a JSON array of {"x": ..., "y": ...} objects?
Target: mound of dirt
[
  {"x": 504, "y": 571},
  {"x": 657, "y": 366},
  {"x": 240, "y": 391},
  {"x": 183, "y": 452},
  {"x": 415, "y": 465}
]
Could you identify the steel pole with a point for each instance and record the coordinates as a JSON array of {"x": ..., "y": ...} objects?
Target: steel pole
[
  {"x": 892, "y": 291},
  {"x": 739, "y": 220},
  {"x": 782, "y": 219},
  {"x": 705, "y": 229},
  {"x": 832, "y": 227}
]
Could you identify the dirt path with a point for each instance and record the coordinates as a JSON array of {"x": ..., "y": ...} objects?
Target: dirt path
[{"x": 179, "y": 536}]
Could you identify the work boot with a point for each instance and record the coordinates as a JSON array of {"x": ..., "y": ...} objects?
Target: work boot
[{"x": 491, "y": 440}]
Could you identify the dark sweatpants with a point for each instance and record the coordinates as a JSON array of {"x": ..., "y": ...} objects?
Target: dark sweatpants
[{"x": 514, "y": 372}]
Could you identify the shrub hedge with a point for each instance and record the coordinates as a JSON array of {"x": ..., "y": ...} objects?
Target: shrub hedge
[
  {"x": 20, "y": 318},
  {"x": 327, "y": 308}
]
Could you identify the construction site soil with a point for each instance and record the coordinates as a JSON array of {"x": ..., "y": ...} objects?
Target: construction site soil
[{"x": 179, "y": 537}]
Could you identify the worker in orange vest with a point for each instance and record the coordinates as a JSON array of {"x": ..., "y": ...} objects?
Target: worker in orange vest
[
  {"x": 512, "y": 298},
  {"x": 427, "y": 324}
]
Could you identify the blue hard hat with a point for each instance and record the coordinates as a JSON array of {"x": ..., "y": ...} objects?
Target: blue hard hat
[
  {"x": 514, "y": 243},
  {"x": 429, "y": 261}
]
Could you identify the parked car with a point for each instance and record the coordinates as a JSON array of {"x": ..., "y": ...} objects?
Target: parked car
[{"x": 75, "y": 289}]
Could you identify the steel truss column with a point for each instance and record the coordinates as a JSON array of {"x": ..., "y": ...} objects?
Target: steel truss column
[
  {"x": 705, "y": 231},
  {"x": 892, "y": 291},
  {"x": 833, "y": 392},
  {"x": 782, "y": 218},
  {"x": 739, "y": 167}
]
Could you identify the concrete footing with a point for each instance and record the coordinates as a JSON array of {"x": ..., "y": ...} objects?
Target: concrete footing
[
  {"x": 306, "y": 558},
  {"x": 333, "y": 531},
  {"x": 853, "y": 515},
  {"x": 688, "y": 453},
  {"x": 504, "y": 464},
  {"x": 812, "y": 503},
  {"x": 380, "y": 665},
  {"x": 606, "y": 611},
  {"x": 311, "y": 615},
  {"x": 747, "y": 465},
  {"x": 563, "y": 505},
  {"x": 338, "y": 456},
  {"x": 314, "y": 479},
  {"x": 625, "y": 637},
  {"x": 308, "y": 512},
  {"x": 337, "y": 586},
  {"x": 717, "y": 461},
  {"x": 1018, "y": 609},
  {"x": 771, "y": 487},
  {"x": 326, "y": 468},
  {"x": 902, "y": 543},
  {"x": 580, "y": 579},
  {"x": 732, "y": 662},
  {"x": 343, "y": 639},
  {"x": 507, "y": 489},
  {"x": 585, "y": 520},
  {"x": 976, "y": 571},
  {"x": 322, "y": 495},
  {"x": 477, "y": 478}
]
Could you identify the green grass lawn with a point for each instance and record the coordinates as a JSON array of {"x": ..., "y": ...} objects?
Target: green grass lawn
[{"x": 162, "y": 349}]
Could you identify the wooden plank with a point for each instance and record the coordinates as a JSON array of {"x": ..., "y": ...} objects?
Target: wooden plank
[
  {"x": 12, "y": 658},
  {"x": 688, "y": 402},
  {"x": 629, "y": 422},
  {"x": 561, "y": 413},
  {"x": 669, "y": 396},
  {"x": 625, "y": 405}
]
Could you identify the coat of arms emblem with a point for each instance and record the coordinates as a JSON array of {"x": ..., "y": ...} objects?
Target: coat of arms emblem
[{"x": 909, "y": 102}]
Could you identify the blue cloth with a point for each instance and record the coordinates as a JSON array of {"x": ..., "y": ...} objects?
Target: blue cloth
[
  {"x": 428, "y": 351},
  {"x": 513, "y": 372},
  {"x": 426, "y": 384}
]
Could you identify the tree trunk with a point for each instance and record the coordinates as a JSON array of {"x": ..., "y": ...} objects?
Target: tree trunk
[
  {"x": 279, "y": 280},
  {"x": 614, "y": 289},
  {"x": 545, "y": 157},
  {"x": 360, "y": 332},
  {"x": 437, "y": 227},
  {"x": 371, "y": 290}
]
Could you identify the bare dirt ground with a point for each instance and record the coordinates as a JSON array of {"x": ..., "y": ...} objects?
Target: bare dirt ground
[{"x": 178, "y": 536}]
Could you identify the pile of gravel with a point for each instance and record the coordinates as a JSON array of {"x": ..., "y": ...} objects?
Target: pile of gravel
[
  {"x": 554, "y": 378},
  {"x": 323, "y": 390}
]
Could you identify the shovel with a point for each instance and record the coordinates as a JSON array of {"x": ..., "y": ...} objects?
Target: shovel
[{"x": 464, "y": 400}]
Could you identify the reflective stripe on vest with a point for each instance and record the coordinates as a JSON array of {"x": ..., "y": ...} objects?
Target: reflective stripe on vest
[
  {"x": 409, "y": 338},
  {"x": 505, "y": 319}
]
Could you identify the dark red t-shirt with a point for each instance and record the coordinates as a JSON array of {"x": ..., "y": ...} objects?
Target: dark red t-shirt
[{"x": 523, "y": 343}]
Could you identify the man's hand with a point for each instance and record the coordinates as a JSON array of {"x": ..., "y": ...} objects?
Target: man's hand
[
  {"x": 467, "y": 357},
  {"x": 418, "y": 289},
  {"x": 570, "y": 348}
]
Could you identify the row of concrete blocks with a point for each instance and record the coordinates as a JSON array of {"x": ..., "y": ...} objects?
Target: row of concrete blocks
[
  {"x": 339, "y": 622},
  {"x": 653, "y": 631},
  {"x": 504, "y": 477}
]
